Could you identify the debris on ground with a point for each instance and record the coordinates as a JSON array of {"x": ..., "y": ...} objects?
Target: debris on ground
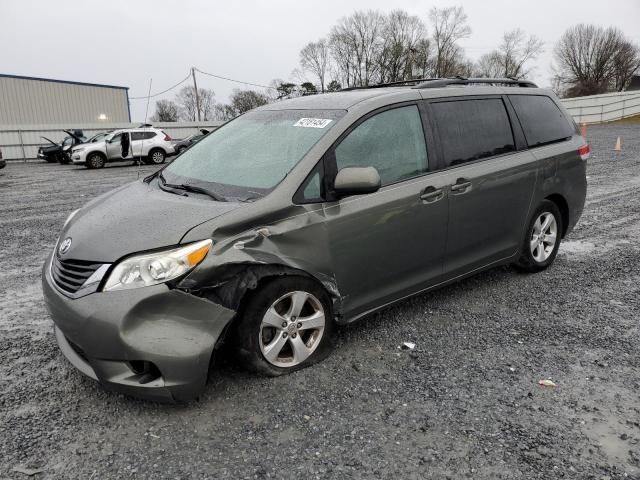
[
  {"x": 547, "y": 383},
  {"x": 407, "y": 346},
  {"x": 28, "y": 471}
]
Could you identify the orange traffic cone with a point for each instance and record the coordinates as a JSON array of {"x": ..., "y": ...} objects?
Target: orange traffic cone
[
  {"x": 618, "y": 147},
  {"x": 583, "y": 130}
]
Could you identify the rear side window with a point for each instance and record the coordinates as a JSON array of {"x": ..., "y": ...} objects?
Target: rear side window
[
  {"x": 135, "y": 136},
  {"x": 541, "y": 119},
  {"x": 472, "y": 129},
  {"x": 391, "y": 141}
]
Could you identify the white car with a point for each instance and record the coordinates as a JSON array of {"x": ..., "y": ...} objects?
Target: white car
[{"x": 149, "y": 144}]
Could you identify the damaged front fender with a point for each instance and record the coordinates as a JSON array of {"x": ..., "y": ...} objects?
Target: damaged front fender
[{"x": 296, "y": 245}]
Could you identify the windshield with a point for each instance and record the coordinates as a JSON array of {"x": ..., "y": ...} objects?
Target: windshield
[
  {"x": 97, "y": 137},
  {"x": 253, "y": 153}
]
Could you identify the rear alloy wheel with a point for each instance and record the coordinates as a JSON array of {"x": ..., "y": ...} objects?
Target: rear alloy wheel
[
  {"x": 286, "y": 325},
  {"x": 95, "y": 160},
  {"x": 156, "y": 157},
  {"x": 543, "y": 238}
]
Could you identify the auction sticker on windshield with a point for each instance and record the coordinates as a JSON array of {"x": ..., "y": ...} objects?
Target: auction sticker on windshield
[{"x": 312, "y": 122}]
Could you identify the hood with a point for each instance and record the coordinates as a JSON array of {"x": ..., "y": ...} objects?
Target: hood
[{"x": 134, "y": 218}]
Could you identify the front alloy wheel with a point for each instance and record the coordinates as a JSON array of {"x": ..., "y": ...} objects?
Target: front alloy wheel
[
  {"x": 284, "y": 325},
  {"x": 292, "y": 329}
]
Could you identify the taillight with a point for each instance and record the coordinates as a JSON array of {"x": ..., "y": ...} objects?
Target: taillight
[
  {"x": 167, "y": 138},
  {"x": 584, "y": 151}
]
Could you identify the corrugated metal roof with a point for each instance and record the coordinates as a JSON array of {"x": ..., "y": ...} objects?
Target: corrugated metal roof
[{"x": 6, "y": 75}]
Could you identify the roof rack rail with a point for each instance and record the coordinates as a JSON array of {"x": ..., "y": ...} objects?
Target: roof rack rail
[
  {"x": 398, "y": 83},
  {"x": 445, "y": 82}
]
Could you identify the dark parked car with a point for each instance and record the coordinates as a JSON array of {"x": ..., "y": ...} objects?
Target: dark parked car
[
  {"x": 3, "y": 162},
  {"x": 181, "y": 145},
  {"x": 306, "y": 214},
  {"x": 60, "y": 152}
]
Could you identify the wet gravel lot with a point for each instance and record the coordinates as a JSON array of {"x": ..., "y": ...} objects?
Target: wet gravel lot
[{"x": 464, "y": 404}]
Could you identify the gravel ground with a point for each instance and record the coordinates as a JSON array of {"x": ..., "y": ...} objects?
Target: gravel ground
[{"x": 464, "y": 404}]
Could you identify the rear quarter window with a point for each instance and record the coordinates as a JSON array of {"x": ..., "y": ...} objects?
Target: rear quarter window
[
  {"x": 472, "y": 129},
  {"x": 541, "y": 119}
]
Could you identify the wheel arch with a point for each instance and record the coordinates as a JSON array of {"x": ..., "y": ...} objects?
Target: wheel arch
[
  {"x": 563, "y": 206},
  {"x": 235, "y": 281}
]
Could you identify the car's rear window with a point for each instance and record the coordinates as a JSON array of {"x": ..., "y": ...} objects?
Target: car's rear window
[{"x": 541, "y": 119}]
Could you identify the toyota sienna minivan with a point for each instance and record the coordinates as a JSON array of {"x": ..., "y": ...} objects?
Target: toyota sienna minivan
[{"x": 306, "y": 214}]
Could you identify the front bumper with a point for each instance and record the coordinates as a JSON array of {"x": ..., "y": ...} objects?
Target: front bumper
[
  {"x": 108, "y": 336},
  {"x": 78, "y": 158}
]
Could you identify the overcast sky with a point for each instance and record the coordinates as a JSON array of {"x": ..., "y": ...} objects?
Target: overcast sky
[{"x": 127, "y": 42}]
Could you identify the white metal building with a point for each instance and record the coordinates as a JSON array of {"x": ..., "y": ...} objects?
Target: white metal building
[{"x": 42, "y": 101}]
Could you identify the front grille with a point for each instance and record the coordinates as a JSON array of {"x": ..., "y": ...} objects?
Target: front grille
[{"x": 70, "y": 275}]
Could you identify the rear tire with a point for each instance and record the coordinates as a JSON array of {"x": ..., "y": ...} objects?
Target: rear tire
[
  {"x": 95, "y": 160},
  {"x": 542, "y": 238},
  {"x": 284, "y": 326},
  {"x": 156, "y": 157}
]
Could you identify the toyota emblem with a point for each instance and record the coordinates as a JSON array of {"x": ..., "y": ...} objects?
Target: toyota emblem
[{"x": 64, "y": 246}]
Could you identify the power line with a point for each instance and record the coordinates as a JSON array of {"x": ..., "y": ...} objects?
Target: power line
[
  {"x": 204, "y": 73},
  {"x": 164, "y": 91},
  {"x": 236, "y": 81}
]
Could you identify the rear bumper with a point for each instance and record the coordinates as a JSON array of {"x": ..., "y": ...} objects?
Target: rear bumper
[{"x": 108, "y": 336}]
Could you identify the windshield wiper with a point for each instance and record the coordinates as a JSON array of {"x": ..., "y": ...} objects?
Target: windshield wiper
[{"x": 191, "y": 188}]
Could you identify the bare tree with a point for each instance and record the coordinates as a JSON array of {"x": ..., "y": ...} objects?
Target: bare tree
[
  {"x": 402, "y": 34},
  {"x": 516, "y": 50},
  {"x": 592, "y": 60},
  {"x": 241, "y": 101},
  {"x": 166, "y": 111},
  {"x": 186, "y": 100},
  {"x": 488, "y": 65},
  {"x": 626, "y": 62},
  {"x": 355, "y": 45},
  {"x": 314, "y": 58},
  {"x": 422, "y": 61},
  {"x": 511, "y": 57},
  {"x": 449, "y": 25}
]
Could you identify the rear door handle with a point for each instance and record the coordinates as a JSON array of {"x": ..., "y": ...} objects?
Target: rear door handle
[
  {"x": 461, "y": 185},
  {"x": 431, "y": 194}
]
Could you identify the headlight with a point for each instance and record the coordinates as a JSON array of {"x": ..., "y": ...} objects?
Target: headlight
[
  {"x": 71, "y": 215},
  {"x": 77, "y": 150},
  {"x": 155, "y": 268}
]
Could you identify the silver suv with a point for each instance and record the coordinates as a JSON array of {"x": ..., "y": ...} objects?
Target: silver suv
[{"x": 152, "y": 145}]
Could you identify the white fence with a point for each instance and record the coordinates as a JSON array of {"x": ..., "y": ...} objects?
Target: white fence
[
  {"x": 21, "y": 142},
  {"x": 607, "y": 107}
]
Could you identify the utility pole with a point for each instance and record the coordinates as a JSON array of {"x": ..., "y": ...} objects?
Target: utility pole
[{"x": 195, "y": 86}]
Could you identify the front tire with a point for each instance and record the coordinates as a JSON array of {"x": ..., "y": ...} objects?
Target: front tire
[
  {"x": 285, "y": 325},
  {"x": 542, "y": 238},
  {"x": 95, "y": 160}
]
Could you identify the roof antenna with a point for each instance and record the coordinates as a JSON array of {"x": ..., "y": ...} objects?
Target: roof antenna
[{"x": 146, "y": 113}]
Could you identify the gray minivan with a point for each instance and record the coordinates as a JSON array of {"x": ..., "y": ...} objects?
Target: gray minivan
[{"x": 305, "y": 214}]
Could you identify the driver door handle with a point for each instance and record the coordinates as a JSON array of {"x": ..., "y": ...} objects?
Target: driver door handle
[{"x": 461, "y": 185}]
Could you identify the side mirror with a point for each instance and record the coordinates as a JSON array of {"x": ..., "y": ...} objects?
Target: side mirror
[{"x": 356, "y": 181}]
